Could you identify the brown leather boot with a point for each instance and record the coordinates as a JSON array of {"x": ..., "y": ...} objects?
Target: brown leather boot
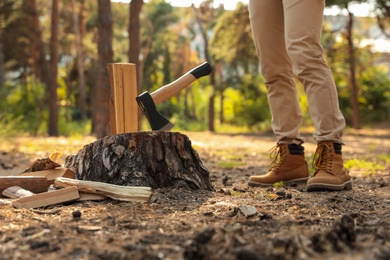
[
  {"x": 330, "y": 173},
  {"x": 289, "y": 165}
]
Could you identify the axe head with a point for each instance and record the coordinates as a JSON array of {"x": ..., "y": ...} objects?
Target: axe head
[{"x": 148, "y": 107}]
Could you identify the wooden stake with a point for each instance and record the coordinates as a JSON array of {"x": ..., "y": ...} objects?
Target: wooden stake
[
  {"x": 123, "y": 106},
  {"x": 123, "y": 193},
  {"x": 47, "y": 198}
]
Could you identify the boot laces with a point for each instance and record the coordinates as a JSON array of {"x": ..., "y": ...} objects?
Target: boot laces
[
  {"x": 278, "y": 157},
  {"x": 322, "y": 159}
]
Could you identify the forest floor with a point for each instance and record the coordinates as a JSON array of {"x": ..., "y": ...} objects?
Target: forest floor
[{"x": 233, "y": 222}]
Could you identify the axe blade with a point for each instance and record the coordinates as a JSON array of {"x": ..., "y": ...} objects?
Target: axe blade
[{"x": 156, "y": 120}]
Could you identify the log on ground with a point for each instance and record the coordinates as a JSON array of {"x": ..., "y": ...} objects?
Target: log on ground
[{"x": 154, "y": 159}]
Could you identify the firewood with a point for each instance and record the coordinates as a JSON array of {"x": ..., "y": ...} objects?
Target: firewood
[
  {"x": 90, "y": 196},
  {"x": 15, "y": 192},
  {"x": 83, "y": 196},
  {"x": 52, "y": 174},
  {"x": 35, "y": 184},
  {"x": 42, "y": 164},
  {"x": 47, "y": 198},
  {"x": 123, "y": 193}
]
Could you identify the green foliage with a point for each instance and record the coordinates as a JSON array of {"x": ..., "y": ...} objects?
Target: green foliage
[
  {"x": 279, "y": 184},
  {"x": 374, "y": 94},
  {"x": 230, "y": 164},
  {"x": 24, "y": 104},
  {"x": 235, "y": 193},
  {"x": 372, "y": 79},
  {"x": 232, "y": 39},
  {"x": 247, "y": 105},
  {"x": 368, "y": 166}
]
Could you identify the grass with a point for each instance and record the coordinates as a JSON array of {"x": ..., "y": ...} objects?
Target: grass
[
  {"x": 229, "y": 159},
  {"x": 227, "y": 165},
  {"x": 368, "y": 166}
]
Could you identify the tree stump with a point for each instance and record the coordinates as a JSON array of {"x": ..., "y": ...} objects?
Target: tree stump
[{"x": 155, "y": 159}]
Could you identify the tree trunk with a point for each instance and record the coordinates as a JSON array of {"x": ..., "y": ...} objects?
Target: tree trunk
[
  {"x": 352, "y": 75},
  {"x": 383, "y": 16},
  {"x": 100, "y": 116},
  {"x": 37, "y": 46},
  {"x": 134, "y": 30},
  {"x": 218, "y": 67},
  {"x": 2, "y": 79},
  {"x": 53, "y": 107},
  {"x": 135, "y": 37},
  {"x": 80, "y": 61},
  {"x": 153, "y": 159},
  {"x": 211, "y": 115}
]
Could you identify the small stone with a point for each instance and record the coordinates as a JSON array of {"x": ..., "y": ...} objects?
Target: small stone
[{"x": 76, "y": 214}]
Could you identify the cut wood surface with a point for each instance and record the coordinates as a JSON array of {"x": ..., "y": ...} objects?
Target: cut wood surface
[
  {"x": 16, "y": 192},
  {"x": 35, "y": 184},
  {"x": 47, "y": 198},
  {"x": 83, "y": 196},
  {"x": 52, "y": 174},
  {"x": 90, "y": 196},
  {"x": 123, "y": 193},
  {"x": 154, "y": 159},
  {"x": 124, "y": 108}
]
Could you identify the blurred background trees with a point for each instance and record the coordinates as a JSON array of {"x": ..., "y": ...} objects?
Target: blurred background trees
[{"x": 53, "y": 76}]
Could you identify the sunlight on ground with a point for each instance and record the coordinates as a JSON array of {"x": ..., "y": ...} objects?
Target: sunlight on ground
[{"x": 44, "y": 146}]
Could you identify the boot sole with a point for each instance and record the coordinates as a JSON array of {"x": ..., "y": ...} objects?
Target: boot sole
[
  {"x": 329, "y": 187},
  {"x": 290, "y": 182}
]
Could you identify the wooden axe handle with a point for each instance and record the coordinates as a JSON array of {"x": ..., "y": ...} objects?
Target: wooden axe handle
[{"x": 176, "y": 86}]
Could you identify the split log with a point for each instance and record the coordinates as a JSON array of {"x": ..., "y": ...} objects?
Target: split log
[
  {"x": 90, "y": 196},
  {"x": 35, "y": 184},
  {"x": 52, "y": 174},
  {"x": 117, "y": 192},
  {"x": 47, "y": 198},
  {"x": 16, "y": 192},
  {"x": 154, "y": 159}
]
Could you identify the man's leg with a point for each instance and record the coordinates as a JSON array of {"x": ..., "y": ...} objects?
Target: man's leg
[
  {"x": 267, "y": 22},
  {"x": 289, "y": 164},
  {"x": 303, "y": 27}
]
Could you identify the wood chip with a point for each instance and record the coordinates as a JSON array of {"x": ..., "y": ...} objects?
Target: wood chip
[
  {"x": 15, "y": 192},
  {"x": 89, "y": 228},
  {"x": 247, "y": 211}
]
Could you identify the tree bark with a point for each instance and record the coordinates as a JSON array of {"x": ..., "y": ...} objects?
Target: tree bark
[
  {"x": 153, "y": 159},
  {"x": 352, "y": 75},
  {"x": 80, "y": 60},
  {"x": 53, "y": 107},
  {"x": 134, "y": 30},
  {"x": 203, "y": 31},
  {"x": 2, "y": 78},
  {"x": 135, "y": 37},
  {"x": 37, "y": 45},
  {"x": 100, "y": 116}
]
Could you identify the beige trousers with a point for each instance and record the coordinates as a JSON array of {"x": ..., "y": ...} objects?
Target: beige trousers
[{"x": 287, "y": 39}]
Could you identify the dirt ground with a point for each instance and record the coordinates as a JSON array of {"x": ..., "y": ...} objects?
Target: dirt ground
[{"x": 233, "y": 222}]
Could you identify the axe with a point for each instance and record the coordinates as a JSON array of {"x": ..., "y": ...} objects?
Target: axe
[{"x": 147, "y": 102}]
